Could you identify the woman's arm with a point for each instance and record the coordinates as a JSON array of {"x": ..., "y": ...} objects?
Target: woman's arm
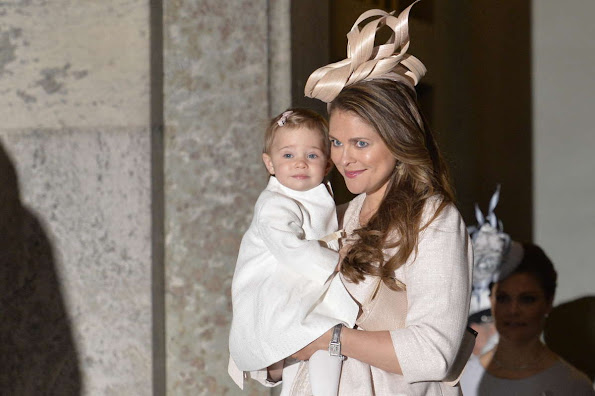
[
  {"x": 438, "y": 293},
  {"x": 372, "y": 347}
]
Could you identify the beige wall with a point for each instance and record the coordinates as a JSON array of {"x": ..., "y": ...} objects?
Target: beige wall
[{"x": 564, "y": 138}]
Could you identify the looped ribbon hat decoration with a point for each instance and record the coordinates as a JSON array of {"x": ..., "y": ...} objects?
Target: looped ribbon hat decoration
[
  {"x": 495, "y": 256},
  {"x": 365, "y": 61}
]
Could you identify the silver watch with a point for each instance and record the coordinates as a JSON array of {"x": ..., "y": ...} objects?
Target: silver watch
[{"x": 334, "y": 347}]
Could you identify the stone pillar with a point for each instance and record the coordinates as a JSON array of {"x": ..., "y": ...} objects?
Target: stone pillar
[
  {"x": 75, "y": 200},
  {"x": 85, "y": 170},
  {"x": 219, "y": 91}
]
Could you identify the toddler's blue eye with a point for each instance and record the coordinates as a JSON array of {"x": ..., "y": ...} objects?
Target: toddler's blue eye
[
  {"x": 312, "y": 156},
  {"x": 287, "y": 156},
  {"x": 361, "y": 144}
]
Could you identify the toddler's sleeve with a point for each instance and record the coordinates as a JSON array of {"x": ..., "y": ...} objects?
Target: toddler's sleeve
[{"x": 280, "y": 225}]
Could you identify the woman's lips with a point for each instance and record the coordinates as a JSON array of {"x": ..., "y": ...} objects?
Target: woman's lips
[{"x": 353, "y": 174}]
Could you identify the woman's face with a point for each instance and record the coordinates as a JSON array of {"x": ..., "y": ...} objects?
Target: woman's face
[
  {"x": 359, "y": 154},
  {"x": 519, "y": 306}
]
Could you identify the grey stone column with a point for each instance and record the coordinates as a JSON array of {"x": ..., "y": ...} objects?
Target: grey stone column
[
  {"x": 226, "y": 71},
  {"x": 75, "y": 198},
  {"x": 85, "y": 170}
]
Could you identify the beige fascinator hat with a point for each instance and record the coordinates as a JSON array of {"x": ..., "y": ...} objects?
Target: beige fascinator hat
[{"x": 366, "y": 61}]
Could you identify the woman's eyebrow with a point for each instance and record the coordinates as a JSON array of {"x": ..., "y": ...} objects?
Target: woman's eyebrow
[
  {"x": 353, "y": 139},
  {"x": 357, "y": 139}
]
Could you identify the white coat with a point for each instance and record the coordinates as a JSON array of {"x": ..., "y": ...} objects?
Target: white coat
[{"x": 285, "y": 290}]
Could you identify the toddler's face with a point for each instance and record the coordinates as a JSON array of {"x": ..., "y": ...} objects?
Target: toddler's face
[{"x": 297, "y": 158}]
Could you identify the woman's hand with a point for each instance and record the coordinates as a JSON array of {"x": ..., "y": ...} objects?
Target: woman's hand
[{"x": 320, "y": 343}]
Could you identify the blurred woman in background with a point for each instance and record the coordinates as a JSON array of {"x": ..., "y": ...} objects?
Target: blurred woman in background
[{"x": 520, "y": 363}]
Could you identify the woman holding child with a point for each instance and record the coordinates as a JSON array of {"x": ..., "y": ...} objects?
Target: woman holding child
[{"x": 407, "y": 258}]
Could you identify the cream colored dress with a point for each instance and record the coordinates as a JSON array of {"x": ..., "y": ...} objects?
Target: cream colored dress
[{"x": 438, "y": 283}]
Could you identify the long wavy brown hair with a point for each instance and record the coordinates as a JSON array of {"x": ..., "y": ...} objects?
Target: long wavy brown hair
[{"x": 391, "y": 108}]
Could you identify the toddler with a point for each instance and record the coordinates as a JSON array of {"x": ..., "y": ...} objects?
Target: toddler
[{"x": 286, "y": 291}]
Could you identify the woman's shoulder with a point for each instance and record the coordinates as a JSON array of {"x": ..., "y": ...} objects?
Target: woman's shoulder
[
  {"x": 448, "y": 217},
  {"x": 574, "y": 375}
]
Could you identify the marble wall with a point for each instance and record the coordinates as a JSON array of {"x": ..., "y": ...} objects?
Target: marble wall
[
  {"x": 76, "y": 198},
  {"x": 219, "y": 92},
  {"x": 121, "y": 117}
]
